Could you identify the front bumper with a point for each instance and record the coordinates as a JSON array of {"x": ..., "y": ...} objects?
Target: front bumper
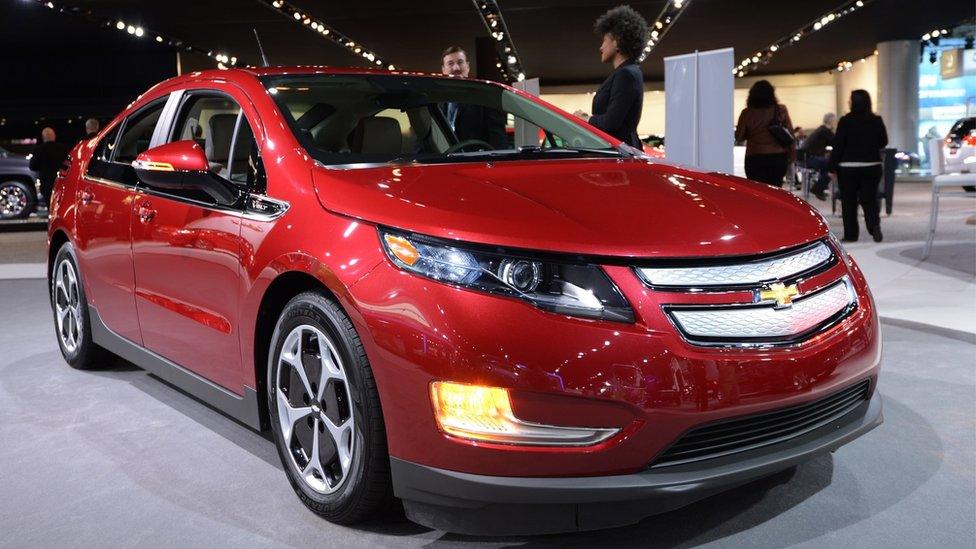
[{"x": 480, "y": 504}]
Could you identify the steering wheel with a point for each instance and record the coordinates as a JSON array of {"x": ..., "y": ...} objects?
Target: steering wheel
[{"x": 461, "y": 145}]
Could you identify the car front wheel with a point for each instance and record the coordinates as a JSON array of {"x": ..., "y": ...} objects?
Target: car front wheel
[{"x": 325, "y": 412}]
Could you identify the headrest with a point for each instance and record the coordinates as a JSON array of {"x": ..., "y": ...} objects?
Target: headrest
[
  {"x": 221, "y": 133},
  {"x": 377, "y": 135}
]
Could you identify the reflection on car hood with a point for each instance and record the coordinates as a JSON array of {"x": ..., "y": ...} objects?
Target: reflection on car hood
[{"x": 585, "y": 206}]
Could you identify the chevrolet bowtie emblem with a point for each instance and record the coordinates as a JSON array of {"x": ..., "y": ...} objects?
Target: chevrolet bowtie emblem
[{"x": 780, "y": 293}]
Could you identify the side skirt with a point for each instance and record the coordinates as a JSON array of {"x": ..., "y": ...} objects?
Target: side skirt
[{"x": 244, "y": 409}]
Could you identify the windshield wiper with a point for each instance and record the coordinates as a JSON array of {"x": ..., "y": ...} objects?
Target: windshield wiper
[
  {"x": 571, "y": 150},
  {"x": 535, "y": 149}
]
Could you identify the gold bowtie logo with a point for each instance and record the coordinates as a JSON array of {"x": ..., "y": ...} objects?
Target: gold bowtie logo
[{"x": 780, "y": 293}]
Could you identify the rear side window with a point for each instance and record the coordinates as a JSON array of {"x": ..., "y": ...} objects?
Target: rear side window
[
  {"x": 106, "y": 146},
  {"x": 137, "y": 134},
  {"x": 962, "y": 127},
  {"x": 114, "y": 154}
]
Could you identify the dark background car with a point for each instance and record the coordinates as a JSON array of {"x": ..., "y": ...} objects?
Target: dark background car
[{"x": 18, "y": 186}]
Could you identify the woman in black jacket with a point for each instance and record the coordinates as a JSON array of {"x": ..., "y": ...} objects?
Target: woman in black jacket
[
  {"x": 617, "y": 104},
  {"x": 856, "y": 161}
]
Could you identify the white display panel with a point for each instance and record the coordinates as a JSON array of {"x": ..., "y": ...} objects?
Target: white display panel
[{"x": 699, "y": 122}]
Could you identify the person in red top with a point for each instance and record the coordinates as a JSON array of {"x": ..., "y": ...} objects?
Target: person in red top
[{"x": 766, "y": 157}]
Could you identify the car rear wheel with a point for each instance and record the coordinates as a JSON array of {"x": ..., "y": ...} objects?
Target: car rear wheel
[
  {"x": 71, "y": 321},
  {"x": 17, "y": 200},
  {"x": 325, "y": 412}
]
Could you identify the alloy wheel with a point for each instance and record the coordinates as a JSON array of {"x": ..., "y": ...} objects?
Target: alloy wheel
[
  {"x": 315, "y": 409},
  {"x": 13, "y": 201},
  {"x": 67, "y": 305}
]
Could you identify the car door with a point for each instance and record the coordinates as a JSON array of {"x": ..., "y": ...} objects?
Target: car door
[
  {"x": 103, "y": 218},
  {"x": 186, "y": 251}
]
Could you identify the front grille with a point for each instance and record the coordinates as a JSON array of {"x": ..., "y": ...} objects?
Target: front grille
[
  {"x": 755, "y": 431},
  {"x": 728, "y": 274},
  {"x": 745, "y": 324}
]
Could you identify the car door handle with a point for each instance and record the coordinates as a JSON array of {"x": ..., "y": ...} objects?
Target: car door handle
[
  {"x": 146, "y": 212},
  {"x": 86, "y": 197}
]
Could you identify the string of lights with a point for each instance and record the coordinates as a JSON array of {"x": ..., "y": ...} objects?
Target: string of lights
[
  {"x": 315, "y": 25},
  {"x": 763, "y": 57},
  {"x": 669, "y": 14},
  {"x": 137, "y": 31},
  {"x": 845, "y": 66},
  {"x": 508, "y": 63}
]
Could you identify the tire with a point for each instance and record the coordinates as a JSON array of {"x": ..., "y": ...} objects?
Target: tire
[
  {"x": 72, "y": 325},
  {"x": 17, "y": 199},
  {"x": 327, "y": 421}
]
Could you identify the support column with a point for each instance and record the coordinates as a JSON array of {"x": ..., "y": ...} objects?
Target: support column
[{"x": 897, "y": 100}]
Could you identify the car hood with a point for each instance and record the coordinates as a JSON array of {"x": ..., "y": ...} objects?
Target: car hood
[{"x": 606, "y": 207}]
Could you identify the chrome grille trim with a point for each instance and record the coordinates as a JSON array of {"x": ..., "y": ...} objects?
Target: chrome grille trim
[
  {"x": 747, "y": 325},
  {"x": 784, "y": 267}
]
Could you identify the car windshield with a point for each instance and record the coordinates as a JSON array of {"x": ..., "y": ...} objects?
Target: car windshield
[
  {"x": 962, "y": 127},
  {"x": 343, "y": 119}
]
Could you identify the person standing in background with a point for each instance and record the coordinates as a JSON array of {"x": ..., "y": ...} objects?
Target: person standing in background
[
  {"x": 856, "y": 160},
  {"x": 91, "y": 128},
  {"x": 767, "y": 153},
  {"x": 46, "y": 159},
  {"x": 619, "y": 101},
  {"x": 815, "y": 148},
  {"x": 468, "y": 120}
]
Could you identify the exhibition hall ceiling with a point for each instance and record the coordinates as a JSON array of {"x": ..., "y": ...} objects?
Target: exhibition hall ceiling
[
  {"x": 94, "y": 69},
  {"x": 553, "y": 37}
]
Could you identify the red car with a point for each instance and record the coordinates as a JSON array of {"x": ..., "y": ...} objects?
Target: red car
[{"x": 548, "y": 335}]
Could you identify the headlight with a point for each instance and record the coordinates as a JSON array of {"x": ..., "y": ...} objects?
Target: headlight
[
  {"x": 839, "y": 246},
  {"x": 566, "y": 288}
]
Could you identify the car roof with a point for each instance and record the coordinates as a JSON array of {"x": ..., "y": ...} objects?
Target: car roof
[{"x": 258, "y": 72}]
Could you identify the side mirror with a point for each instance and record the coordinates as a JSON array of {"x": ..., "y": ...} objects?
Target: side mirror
[{"x": 183, "y": 166}]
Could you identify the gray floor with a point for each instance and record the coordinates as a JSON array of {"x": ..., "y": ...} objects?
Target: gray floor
[{"x": 117, "y": 458}]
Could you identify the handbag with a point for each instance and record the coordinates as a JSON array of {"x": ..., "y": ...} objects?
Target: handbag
[{"x": 780, "y": 133}]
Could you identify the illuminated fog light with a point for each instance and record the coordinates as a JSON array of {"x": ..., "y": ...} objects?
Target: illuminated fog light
[{"x": 485, "y": 414}]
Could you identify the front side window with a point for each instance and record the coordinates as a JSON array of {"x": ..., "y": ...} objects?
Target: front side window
[
  {"x": 348, "y": 119},
  {"x": 215, "y": 122}
]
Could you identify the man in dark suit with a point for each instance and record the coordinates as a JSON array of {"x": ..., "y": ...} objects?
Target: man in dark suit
[
  {"x": 46, "y": 159},
  {"x": 467, "y": 120}
]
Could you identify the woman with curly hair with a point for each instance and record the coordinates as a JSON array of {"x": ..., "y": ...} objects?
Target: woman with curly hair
[{"x": 617, "y": 104}]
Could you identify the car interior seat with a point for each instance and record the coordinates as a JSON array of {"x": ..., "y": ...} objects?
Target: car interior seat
[
  {"x": 218, "y": 141},
  {"x": 377, "y": 135}
]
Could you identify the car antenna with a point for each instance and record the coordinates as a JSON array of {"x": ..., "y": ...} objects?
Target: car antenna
[{"x": 264, "y": 58}]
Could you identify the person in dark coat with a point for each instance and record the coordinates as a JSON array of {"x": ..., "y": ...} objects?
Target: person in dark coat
[
  {"x": 856, "y": 160},
  {"x": 619, "y": 101},
  {"x": 814, "y": 148},
  {"x": 470, "y": 121},
  {"x": 46, "y": 159}
]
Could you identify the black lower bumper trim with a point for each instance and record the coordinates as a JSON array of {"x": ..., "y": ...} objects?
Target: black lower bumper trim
[{"x": 489, "y": 505}]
